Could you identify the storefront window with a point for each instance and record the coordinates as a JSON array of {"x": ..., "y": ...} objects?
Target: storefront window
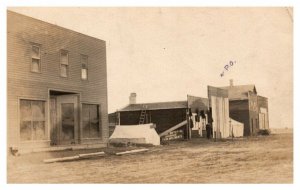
[
  {"x": 32, "y": 120},
  {"x": 91, "y": 121}
]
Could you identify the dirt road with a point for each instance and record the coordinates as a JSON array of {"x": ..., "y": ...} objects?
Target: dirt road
[{"x": 264, "y": 159}]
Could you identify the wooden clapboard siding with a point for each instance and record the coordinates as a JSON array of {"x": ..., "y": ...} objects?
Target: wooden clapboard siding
[
  {"x": 253, "y": 113},
  {"x": 239, "y": 111},
  {"x": 22, "y": 31},
  {"x": 263, "y": 103},
  {"x": 163, "y": 118},
  {"x": 183, "y": 123},
  {"x": 244, "y": 106}
]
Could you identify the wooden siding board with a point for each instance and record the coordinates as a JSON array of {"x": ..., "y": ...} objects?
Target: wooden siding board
[
  {"x": 239, "y": 111},
  {"x": 263, "y": 103},
  {"x": 164, "y": 119}
]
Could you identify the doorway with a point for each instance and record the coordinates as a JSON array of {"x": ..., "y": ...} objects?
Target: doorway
[{"x": 64, "y": 119}]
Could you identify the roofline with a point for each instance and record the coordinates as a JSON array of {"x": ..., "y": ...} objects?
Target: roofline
[
  {"x": 122, "y": 108},
  {"x": 162, "y": 102},
  {"x": 152, "y": 109},
  {"x": 236, "y": 99},
  {"x": 54, "y": 25},
  {"x": 151, "y": 103},
  {"x": 238, "y": 86},
  {"x": 262, "y": 96}
]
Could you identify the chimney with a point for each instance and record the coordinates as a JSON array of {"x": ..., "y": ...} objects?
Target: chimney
[
  {"x": 231, "y": 82},
  {"x": 132, "y": 98}
]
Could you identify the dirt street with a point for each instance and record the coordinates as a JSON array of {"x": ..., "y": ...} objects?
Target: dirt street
[{"x": 263, "y": 159}]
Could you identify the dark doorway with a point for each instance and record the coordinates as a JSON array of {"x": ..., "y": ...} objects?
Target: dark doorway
[{"x": 64, "y": 118}]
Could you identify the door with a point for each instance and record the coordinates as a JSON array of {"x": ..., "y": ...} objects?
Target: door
[
  {"x": 261, "y": 121},
  {"x": 53, "y": 121},
  {"x": 67, "y": 116}
]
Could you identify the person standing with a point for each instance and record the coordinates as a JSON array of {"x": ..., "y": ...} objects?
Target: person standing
[
  {"x": 208, "y": 130},
  {"x": 198, "y": 125}
]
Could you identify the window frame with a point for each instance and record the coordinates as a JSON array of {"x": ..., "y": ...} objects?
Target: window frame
[
  {"x": 86, "y": 67},
  {"x": 37, "y": 58},
  {"x": 67, "y": 65},
  {"x": 31, "y": 120}
]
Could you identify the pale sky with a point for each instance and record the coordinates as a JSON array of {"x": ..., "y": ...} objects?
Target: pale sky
[{"x": 163, "y": 54}]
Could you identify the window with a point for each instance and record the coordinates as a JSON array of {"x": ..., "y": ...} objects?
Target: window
[
  {"x": 35, "y": 59},
  {"x": 32, "y": 120},
  {"x": 84, "y": 67},
  {"x": 64, "y": 63},
  {"x": 91, "y": 121}
]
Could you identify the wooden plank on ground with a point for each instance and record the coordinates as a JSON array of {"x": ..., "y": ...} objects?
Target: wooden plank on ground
[
  {"x": 173, "y": 128},
  {"x": 69, "y": 158},
  {"x": 91, "y": 155},
  {"x": 132, "y": 151},
  {"x": 77, "y": 157}
]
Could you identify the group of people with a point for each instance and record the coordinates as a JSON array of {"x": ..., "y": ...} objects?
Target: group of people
[{"x": 208, "y": 127}]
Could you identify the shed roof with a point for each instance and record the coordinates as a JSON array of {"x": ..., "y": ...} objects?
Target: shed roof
[
  {"x": 155, "y": 106},
  {"x": 239, "y": 91}
]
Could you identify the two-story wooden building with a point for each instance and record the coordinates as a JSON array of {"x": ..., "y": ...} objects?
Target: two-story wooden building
[
  {"x": 56, "y": 86},
  {"x": 247, "y": 107}
]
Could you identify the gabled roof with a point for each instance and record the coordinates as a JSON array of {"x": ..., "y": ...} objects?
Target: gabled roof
[
  {"x": 155, "y": 106},
  {"x": 239, "y": 91}
]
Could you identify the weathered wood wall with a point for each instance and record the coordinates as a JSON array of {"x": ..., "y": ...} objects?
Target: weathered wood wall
[
  {"x": 164, "y": 118},
  {"x": 22, "y": 31}
]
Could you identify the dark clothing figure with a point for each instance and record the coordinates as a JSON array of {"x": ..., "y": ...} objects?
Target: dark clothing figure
[
  {"x": 190, "y": 112},
  {"x": 191, "y": 123},
  {"x": 208, "y": 131},
  {"x": 202, "y": 114},
  {"x": 209, "y": 116}
]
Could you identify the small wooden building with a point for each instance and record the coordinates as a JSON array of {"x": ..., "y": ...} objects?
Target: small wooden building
[
  {"x": 163, "y": 114},
  {"x": 179, "y": 119},
  {"x": 56, "y": 86}
]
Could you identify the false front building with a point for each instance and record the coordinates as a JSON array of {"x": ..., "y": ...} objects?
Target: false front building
[
  {"x": 56, "y": 86},
  {"x": 248, "y": 108}
]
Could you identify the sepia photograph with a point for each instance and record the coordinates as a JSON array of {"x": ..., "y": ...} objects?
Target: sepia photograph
[{"x": 149, "y": 95}]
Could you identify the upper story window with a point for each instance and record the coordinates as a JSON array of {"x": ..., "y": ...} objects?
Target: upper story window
[
  {"x": 84, "y": 67},
  {"x": 64, "y": 63},
  {"x": 35, "y": 59}
]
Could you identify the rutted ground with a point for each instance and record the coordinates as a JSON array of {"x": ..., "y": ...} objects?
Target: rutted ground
[{"x": 263, "y": 159}]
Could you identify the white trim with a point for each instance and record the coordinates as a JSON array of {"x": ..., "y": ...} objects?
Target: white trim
[
  {"x": 38, "y": 58},
  {"x": 67, "y": 65}
]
